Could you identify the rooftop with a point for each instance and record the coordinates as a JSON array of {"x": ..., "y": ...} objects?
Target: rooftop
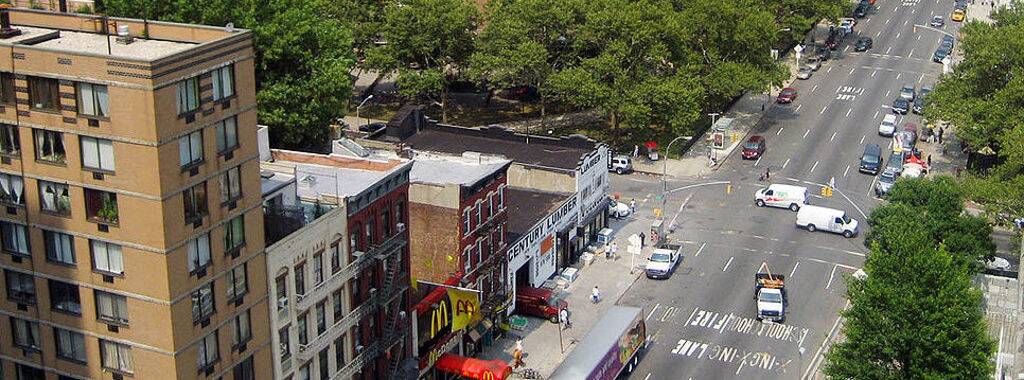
[
  {"x": 332, "y": 175},
  {"x": 558, "y": 153},
  {"x": 527, "y": 207},
  {"x": 439, "y": 170}
]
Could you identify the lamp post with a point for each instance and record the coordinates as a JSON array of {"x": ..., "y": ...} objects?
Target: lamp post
[
  {"x": 664, "y": 171},
  {"x": 361, "y": 106}
]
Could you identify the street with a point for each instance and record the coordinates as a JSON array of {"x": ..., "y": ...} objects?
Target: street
[{"x": 702, "y": 319}]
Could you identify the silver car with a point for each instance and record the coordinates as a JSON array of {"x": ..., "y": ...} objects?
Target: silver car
[
  {"x": 804, "y": 73},
  {"x": 908, "y": 92},
  {"x": 885, "y": 182},
  {"x": 813, "y": 63}
]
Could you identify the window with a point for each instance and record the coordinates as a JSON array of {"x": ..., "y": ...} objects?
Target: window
[
  {"x": 111, "y": 307},
  {"x": 324, "y": 357},
  {"x": 92, "y": 100},
  {"x": 64, "y": 297},
  {"x": 195, "y": 203},
  {"x": 70, "y": 345},
  {"x": 14, "y": 238},
  {"x": 202, "y": 303},
  {"x": 284, "y": 339},
  {"x": 281, "y": 284},
  {"x": 97, "y": 153},
  {"x": 479, "y": 213},
  {"x": 26, "y": 334},
  {"x": 386, "y": 221},
  {"x": 227, "y": 134},
  {"x": 501, "y": 197},
  {"x": 242, "y": 328},
  {"x": 12, "y": 189},
  {"x": 60, "y": 247},
  {"x": 188, "y": 95},
  {"x": 369, "y": 232},
  {"x": 466, "y": 227},
  {"x": 318, "y": 269},
  {"x": 49, "y": 146},
  {"x": 230, "y": 187},
  {"x": 10, "y": 144},
  {"x": 21, "y": 287},
  {"x": 244, "y": 370},
  {"x": 198, "y": 253},
  {"x": 223, "y": 82},
  {"x": 335, "y": 258},
  {"x": 467, "y": 255},
  {"x": 304, "y": 372},
  {"x": 303, "y": 329},
  {"x": 55, "y": 198},
  {"x": 44, "y": 93},
  {"x": 237, "y": 282},
  {"x": 116, "y": 356},
  {"x": 336, "y": 303},
  {"x": 479, "y": 251},
  {"x": 339, "y": 352},
  {"x": 190, "y": 149},
  {"x": 7, "y": 88},
  {"x": 490, "y": 205},
  {"x": 208, "y": 353},
  {"x": 107, "y": 257},
  {"x": 300, "y": 279},
  {"x": 321, "y": 318},
  {"x": 101, "y": 206},
  {"x": 399, "y": 211},
  {"x": 234, "y": 233}
]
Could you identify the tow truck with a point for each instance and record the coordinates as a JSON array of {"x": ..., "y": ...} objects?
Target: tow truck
[{"x": 770, "y": 295}]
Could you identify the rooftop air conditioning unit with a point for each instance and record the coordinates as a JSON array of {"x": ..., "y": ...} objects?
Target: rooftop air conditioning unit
[{"x": 124, "y": 36}]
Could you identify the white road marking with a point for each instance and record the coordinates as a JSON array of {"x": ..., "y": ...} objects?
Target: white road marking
[
  {"x": 876, "y": 114},
  {"x": 888, "y": 50},
  {"x": 785, "y": 163},
  {"x": 887, "y": 93},
  {"x": 918, "y": 37},
  {"x": 648, "y": 376},
  {"x": 758, "y": 160},
  {"x": 652, "y": 313},
  {"x": 904, "y": 24},
  {"x": 829, "y": 70},
  {"x": 894, "y": 10},
  {"x": 727, "y": 264},
  {"x": 794, "y": 270},
  {"x": 831, "y": 277},
  {"x": 887, "y": 20},
  {"x": 878, "y": 34},
  {"x": 699, "y": 185},
  {"x": 848, "y": 112},
  {"x": 688, "y": 319},
  {"x": 823, "y": 109},
  {"x": 898, "y": 75},
  {"x": 897, "y": 35},
  {"x": 798, "y": 108},
  {"x": 805, "y": 133},
  {"x": 780, "y": 131},
  {"x": 847, "y": 48},
  {"x": 921, "y": 79},
  {"x": 824, "y": 342},
  {"x": 873, "y": 73},
  {"x": 814, "y": 166},
  {"x": 872, "y": 185},
  {"x": 794, "y": 180},
  {"x": 814, "y": 88},
  {"x": 847, "y": 171},
  {"x": 833, "y": 135},
  {"x": 911, "y": 53},
  {"x": 701, "y": 249},
  {"x": 851, "y": 71},
  {"x": 913, "y": 10},
  {"x": 865, "y": 136}
]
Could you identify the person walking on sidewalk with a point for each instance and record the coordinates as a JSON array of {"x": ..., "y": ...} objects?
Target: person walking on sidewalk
[
  {"x": 941, "y": 131},
  {"x": 611, "y": 251},
  {"x": 929, "y": 161},
  {"x": 595, "y": 295},
  {"x": 563, "y": 316},
  {"x": 517, "y": 354},
  {"x": 642, "y": 238},
  {"x": 632, "y": 206},
  {"x": 636, "y": 151}
]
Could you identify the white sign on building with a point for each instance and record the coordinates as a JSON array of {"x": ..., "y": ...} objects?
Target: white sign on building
[{"x": 539, "y": 246}]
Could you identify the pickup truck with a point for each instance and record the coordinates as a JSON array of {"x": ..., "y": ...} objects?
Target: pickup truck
[
  {"x": 770, "y": 295},
  {"x": 664, "y": 261}
]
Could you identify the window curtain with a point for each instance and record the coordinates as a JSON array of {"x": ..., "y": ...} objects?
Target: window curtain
[
  {"x": 86, "y": 98},
  {"x": 106, "y": 154}
]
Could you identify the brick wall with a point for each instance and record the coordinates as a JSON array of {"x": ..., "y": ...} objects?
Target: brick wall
[{"x": 433, "y": 237}]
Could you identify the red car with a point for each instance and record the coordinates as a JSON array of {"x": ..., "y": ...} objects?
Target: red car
[
  {"x": 539, "y": 302},
  {"x": 753, "y": 148},
  {"x": 787, "y": 95}
]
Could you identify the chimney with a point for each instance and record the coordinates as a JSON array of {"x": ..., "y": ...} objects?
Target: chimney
[
  {"x": 6, "y": 31},
  {"x": 123, "y": 35}
]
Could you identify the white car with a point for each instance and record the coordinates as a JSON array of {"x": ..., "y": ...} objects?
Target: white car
[
  {"x": 618, "y": 210},
  {"x": 662, "y": 263},
  {"x": 997, "y": 263},
  {"x": 888, "y": 126},
  {"x": 804, "y": 73}
]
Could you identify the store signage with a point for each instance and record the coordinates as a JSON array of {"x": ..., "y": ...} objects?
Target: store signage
[
  {"x": 555, "y": 220},
  {"x": 437, "y": 351},
  {"x": 439, "y": 318}
]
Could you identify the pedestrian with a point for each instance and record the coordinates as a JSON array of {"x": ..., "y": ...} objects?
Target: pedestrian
[
  {"x": 636, "y": 151},
  {"x": 517, "y": 354},
  {"x": 642, "y": 238},
  {"x": 768, "y": 174},
  {"x": 941, "y": 131},
  {"x": 595, "y": 295},
  {"x": 929, "y": 160},
  {"x": 614, "y": 250},
  {"x": 632, "y": 206},
  {"x": 563, "y": 315}
]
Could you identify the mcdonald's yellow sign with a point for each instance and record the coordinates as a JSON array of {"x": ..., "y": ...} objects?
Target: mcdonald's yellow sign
[
  {"x": 467, "y": 307},
  {"x": 440, "y": 317},
  {"x": 488, "y": 375}
]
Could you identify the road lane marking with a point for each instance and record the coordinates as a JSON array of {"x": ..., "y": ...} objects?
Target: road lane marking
[
  {"x": 805, "y": 133},
  {"x": 785, "y": 163},
  {"x": 701, "y": 249},
  {"x": 794, "y": 270},
  {"x": 897, "y": 36},
  {"x": 829, "y": 70},
  {"x": 851, "y": 71},
  {"x": 831, "y": 277},
  {"x": 847, "y": 171},
  {"x": 911, "y": 53},
  {"x": 878, "y": 34},
  {"x": 904, "y": 24},
  {"x": 834, "y": 134},
  {"x": 780, "y": 131},
  {"x": 848, "y": 113},
  {"x": 847, "y": 48},
  {"x": 873, "y": 73},
  {"x": 814, "y": 166},
  {"x": 921, "y": 79},
  {"x": 887, "y": 93},
  {"x": 698, "y": 185},
  {"x": 876, "y": 114},
  {"x": 887, "y": 21},
  {"x": 652, "y": 311},
  {"x": 898, "y": 75},
  {"x": 798, "y": 108},
  {"x": 823, "y": 109},
  {"x": 727, "y": 264},
  {"x": 758, "y": 160},
  {"x": 872, "y": 184},
  {"x": 888, "y": 50},
  {"x": 814, "y": 88},
  {"x": 648, "y": 376}
]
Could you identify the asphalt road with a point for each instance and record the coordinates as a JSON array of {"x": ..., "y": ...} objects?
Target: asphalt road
[{"x": 702, "y": 318}]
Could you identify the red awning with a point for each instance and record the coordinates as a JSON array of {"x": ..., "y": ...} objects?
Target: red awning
[
  {"x": 650, "y": 144},
  {"x": 474, "y": 368}
]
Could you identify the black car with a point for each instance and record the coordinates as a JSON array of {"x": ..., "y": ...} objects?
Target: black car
[
  {"x": 863, "y": 44},
  {"x": 901, "y": 106},
  {"x": 947, "y": 40},
  {"x": 823, "y": 52},
  {"x": 861, "y": 11},
  {"x": 871, "y": 160},
  {"x": 940, "y": 54},
  {"x": 372, "y": 127}
]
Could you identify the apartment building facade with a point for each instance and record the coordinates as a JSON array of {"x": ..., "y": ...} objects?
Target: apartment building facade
[
  {"x": 131, "y": 223},
  {"x": 340, "y": 283}
]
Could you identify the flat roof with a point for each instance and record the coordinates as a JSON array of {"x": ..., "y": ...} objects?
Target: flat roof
[
  {"x": 538, "y": 152},
  {"x": 272, "y": 180},
  {"x": 527, "y": 207},
  {"x": 95, "y": 43},
  {"x": 334, "y": 175},
  {"x": 441, "y": 171}
]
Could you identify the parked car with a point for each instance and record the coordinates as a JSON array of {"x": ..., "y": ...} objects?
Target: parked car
[
  {"x": 938, "y": 21},
  {"x": 620, "y": 164},
  {"x": 886, "y": 181},
  {"x": 947, "y": 40},
  {"x": 900, "y": 106},
  {"x": 753, "y": 148},
  {"x": 888, "y": 125},
  {"x": 863, "y": 44},
  {"x": 958, "y": 14},
  {"x": 833, "y": 40},
  {"x": 861, "y": 11},
  {"x": 664, "y": 261},
  {"x": 804, "y": 73},
  {"x": 539, "y": 302},
  {"x": 908, "y": 92},
  {"x": 787, "y": 95},
  {"x": 846, "y": 25},
  {"x": 618, "y": 210},
  {"x": 824, "y": 53},
  {"x": 919, "y": 104},
  {"x": 903, "y": 141},
  {"x": 813, "y": 63},
  {"x": 871, "y": 160},
  {"x": 912, "y": 128},
  {"x": 940, "y": 53},
  {"x": 895, "y": 163}
]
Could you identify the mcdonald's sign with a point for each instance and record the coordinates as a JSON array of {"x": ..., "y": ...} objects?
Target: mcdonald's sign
[
  {"x": 488, "y": 375},
  {"x": 440, "y": 317}
]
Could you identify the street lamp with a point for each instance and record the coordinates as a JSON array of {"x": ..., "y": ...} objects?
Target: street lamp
[
  {"x": 361, "y": 106},
  {"x": 664, "y": 170}
]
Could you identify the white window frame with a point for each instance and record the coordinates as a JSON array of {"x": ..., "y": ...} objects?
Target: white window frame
[
  {"x": 57, "y": 203},
  {"x": 190, "y": 149},
  {"x": 199, "y": 256},
  {"x": 14, "y": 238},
  {"x": 97, "y": 153},
  {"x": 203, "y": 303},
  {"x": 107, "y": 257},
  {"x": 467, "y": 258},
  {"x": 13, "y": 188},
  {"x": 93, "y": 99},
  {"x": 318, "y": 269},
  {"x": 466, "y": 218},
  {"x": 187, "y": 95},
  {"x": 223, "y": 82}
]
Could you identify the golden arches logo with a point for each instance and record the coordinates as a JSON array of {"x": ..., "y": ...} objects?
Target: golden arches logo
[
  {"x": 465, "y": 307},
  {"x": 440, "y": 318},
  {"x": 488, "y": 375}
]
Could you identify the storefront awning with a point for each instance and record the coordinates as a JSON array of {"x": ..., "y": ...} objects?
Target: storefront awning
[{"x": 474, "y": 368}]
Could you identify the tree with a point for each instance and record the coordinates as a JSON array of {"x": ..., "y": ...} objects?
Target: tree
[
  {"x": 915, "y": 316},
  {"x": 427, "y": 43},
  {"x": 796, "y": 17}
]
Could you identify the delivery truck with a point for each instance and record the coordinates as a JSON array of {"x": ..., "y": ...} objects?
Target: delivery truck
[
  {"x": 770, "y": 295},
  {"x": 611, "y": 348}
]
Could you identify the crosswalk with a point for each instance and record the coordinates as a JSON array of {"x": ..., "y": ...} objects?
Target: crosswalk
[{"x": 910, "y": 3}]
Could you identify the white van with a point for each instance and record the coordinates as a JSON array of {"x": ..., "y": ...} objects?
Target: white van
[
  {"x": 785, "y": 196},
  {"x": 815, "y": 218}
]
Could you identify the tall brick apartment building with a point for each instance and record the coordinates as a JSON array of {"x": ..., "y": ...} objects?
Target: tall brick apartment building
[
  {"x": 132, "y": 212},
  {"x": 458, "y": 220}
]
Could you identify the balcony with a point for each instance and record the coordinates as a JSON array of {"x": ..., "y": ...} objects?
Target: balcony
[
  {"x": 384, "y": 248},
  {"x": 369, "y": 354}
]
